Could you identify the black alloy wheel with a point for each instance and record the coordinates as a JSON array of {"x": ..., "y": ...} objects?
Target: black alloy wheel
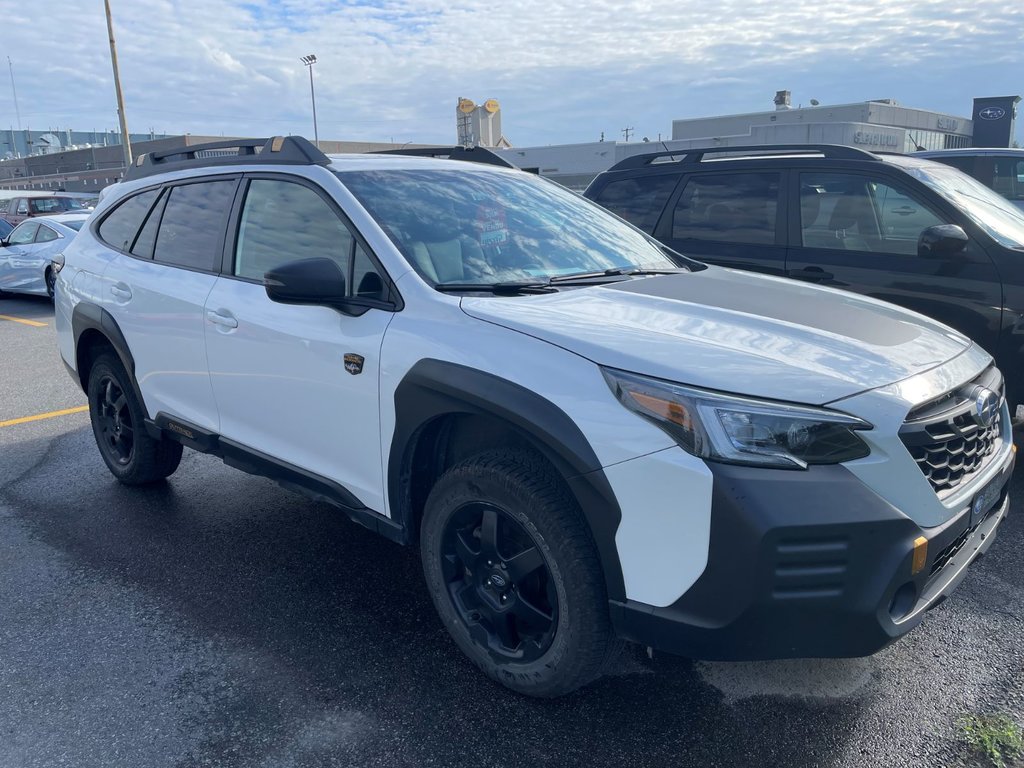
[
  {"x": 499, "y": 582},
  {"x": 117, "y": 430},
  {"x": 512, "y": 570},
  {"x": 132, "y": 455}
]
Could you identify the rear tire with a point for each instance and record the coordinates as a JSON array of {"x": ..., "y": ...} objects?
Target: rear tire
[
  {"x": 118, "y": 423},
  {"x": 51, "y": 281},
  {"x": 514, "y": 574}
]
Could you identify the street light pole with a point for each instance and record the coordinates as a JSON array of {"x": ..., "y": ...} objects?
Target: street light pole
[
  {"x": 126, "y": 143},
  {"x": 309, "y": 61}
]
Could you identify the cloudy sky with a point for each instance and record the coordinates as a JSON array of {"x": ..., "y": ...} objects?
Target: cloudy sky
[{"x": 563, "y": 72}]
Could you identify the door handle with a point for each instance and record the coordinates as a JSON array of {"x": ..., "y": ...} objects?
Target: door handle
[
  {"x": 222, "y": 318},
  {"x": 810, "y": 274},
  {"x": 121, "y": 291},
  {"x": 906, "y": 210}
]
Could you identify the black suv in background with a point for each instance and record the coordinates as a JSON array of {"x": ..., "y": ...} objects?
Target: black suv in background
[{"x": 894, "y": 227}]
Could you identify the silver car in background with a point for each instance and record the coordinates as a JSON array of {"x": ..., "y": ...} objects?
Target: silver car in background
[{"x": 26, "y": 255}]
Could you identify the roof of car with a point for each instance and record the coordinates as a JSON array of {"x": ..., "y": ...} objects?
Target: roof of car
[
  {"x": 971, "y": 152},
  {"x": 908, "y": 161},
  {"x": 60, "y": 218},
  {"x": 376, "y": 162}
]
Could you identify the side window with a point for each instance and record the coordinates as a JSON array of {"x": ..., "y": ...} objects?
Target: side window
[
  {"x": 961, "y": 163},
  {"x": 857, "y": 213},
  {"x": 24, "y": 233},
  {"x": 4, "y": 205},
  {"x": 146, "y": 240},
  {"x": 192, "y": 226},
  {"x": 45, "y": 205},
  {"x": 282, "y": 222},
  {"x": 23, "y": 207},
  {"x": 366, "y": 279},
  {"x": 639, "y": 201},
  {"x": 45, "y": 234},
  {"x": 120, "y": 225},
  {"x": 1008, "y": 177},
  {"x": 728, "y": 207}
]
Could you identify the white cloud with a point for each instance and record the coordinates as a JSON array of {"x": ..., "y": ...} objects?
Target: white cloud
[{"x": 562, "y": 71}]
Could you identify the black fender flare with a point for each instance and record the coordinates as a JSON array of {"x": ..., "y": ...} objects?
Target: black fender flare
[
  {"x": 435, "y": 388},
  {"x": 88, "y": 316}
]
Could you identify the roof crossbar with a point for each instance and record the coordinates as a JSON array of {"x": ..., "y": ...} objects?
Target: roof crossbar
[
  {"x": 277, "y": 150},
  {"x": 467, "y": 154}
]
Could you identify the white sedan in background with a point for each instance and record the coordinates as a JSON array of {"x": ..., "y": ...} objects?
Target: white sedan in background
[{"x": 26, "y": 254}]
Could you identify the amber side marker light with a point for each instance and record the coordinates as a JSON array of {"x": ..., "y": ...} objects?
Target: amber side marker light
[{"x": 920, "y": 555}]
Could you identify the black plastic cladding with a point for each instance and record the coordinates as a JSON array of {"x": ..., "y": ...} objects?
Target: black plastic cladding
[
  {"x": 277, "y": 150},
  {"x": 433, "y": 388},
  {"x": 90, "y": 316}
]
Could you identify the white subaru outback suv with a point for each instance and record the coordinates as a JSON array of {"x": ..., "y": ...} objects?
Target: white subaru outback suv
[{"x": 590, "y": 437}]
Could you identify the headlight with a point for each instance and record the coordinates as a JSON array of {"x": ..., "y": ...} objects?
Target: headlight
[{"x": 737, "y": 430}]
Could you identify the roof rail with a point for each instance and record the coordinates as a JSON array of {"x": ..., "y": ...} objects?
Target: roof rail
[
  {"x": 277, "y": 150},
  {"x": 467, "y": 154},
  {"x": 694, "y": 156}
]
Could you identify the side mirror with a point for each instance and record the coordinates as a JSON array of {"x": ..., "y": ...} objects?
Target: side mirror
[
  {"x": 308, "y": 281},
  {"x": 942, "y": 240},
  {"x": 321, "y": 282}
]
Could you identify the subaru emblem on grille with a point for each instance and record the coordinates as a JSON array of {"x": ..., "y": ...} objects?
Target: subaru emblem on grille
[{"x": 986, "y": 406}]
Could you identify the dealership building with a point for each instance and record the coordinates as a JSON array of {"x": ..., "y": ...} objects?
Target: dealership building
[{"x": 882, "y": 125}]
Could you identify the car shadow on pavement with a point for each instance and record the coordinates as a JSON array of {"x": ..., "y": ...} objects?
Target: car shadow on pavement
[
  {"x": 38, "y": 308},
  {"x": 319, "y": 645}
]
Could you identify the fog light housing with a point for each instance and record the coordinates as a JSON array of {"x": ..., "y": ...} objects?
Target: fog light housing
[{"x": 903, "y": 601}]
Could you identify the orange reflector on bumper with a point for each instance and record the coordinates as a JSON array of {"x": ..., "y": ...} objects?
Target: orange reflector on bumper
[{"x": 920, "y": 555}]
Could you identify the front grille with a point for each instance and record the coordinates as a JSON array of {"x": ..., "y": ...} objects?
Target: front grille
[
  {"x": 949, "y": 446},
  {"x": 951, "y": 551}
]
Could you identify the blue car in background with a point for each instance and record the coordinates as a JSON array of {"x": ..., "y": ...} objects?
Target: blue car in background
[{"x": 27, "y": 251}]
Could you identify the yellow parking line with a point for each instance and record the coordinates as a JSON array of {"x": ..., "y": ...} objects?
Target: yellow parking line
[
  {"x": 33, "y": 323},
  {"x": 41, "y": 416}
]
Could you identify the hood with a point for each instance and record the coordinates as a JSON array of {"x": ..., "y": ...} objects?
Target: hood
[{"x": 734, "y": 332}]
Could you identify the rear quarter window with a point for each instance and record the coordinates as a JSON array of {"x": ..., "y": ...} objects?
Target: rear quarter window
[
  {"x": 640, "y": 200},
  {"x": 118, "y": 228}
]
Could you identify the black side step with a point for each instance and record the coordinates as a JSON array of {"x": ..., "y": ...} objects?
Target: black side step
[{"x": 286, "y": 475}]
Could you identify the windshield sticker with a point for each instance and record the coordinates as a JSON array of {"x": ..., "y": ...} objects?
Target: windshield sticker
[{"x": 490, "y": 225}]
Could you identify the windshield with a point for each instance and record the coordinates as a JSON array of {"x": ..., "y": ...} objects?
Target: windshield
[
  {"x": 469, "y": 226},
  {"x": 75, "y": 225},
  {"x": 1003, "y": 221},
  {"x": 76, "y": 204}
]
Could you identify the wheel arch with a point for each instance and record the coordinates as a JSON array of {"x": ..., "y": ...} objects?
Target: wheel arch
[
  {"x": 93, "y": 329},
  {"x": 445, "y": 412}
]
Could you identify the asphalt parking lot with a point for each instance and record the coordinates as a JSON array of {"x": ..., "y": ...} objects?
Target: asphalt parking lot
[{"x": 220, "y": 620}]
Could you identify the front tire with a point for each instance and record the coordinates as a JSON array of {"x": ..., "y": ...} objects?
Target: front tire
[
  {"x": 118, "y": 423},
  {"x": 514, "y": 574}
]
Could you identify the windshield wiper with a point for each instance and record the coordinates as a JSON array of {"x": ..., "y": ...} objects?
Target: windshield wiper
[
  {"x": 507, "y": 288},
  {"x": 618, "y": 272}
]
